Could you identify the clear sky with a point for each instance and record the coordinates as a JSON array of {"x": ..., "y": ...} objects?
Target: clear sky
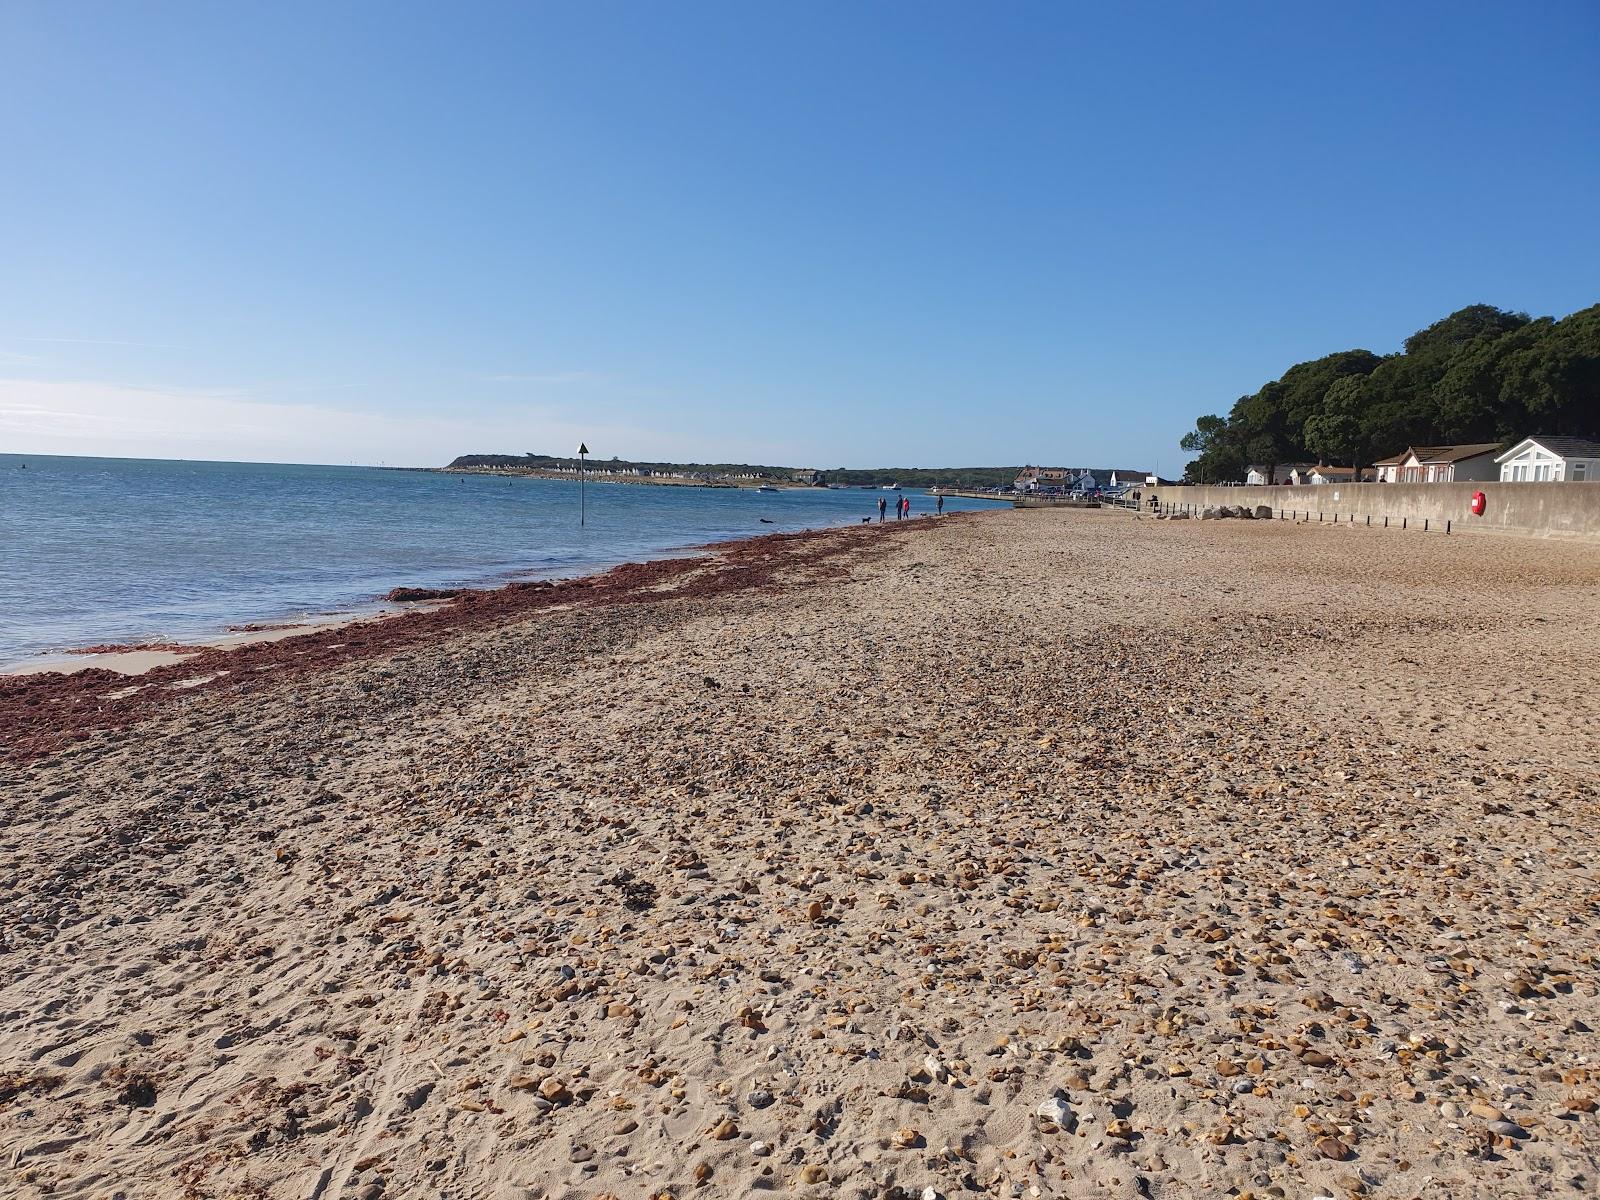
[{"x": 813, "y": 234}]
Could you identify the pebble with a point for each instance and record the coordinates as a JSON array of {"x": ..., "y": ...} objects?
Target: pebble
[
  {"x": 612, "y": 888},
  {"x": 1056, "y": 1111}
]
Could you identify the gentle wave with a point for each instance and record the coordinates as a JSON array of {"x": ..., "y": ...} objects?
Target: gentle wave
[{"x": 97, "y": 550}]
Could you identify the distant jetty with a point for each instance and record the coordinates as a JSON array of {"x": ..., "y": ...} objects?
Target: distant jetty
[{"x": 972, "y": 493}]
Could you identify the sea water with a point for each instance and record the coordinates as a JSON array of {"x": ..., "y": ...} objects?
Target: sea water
[{"x": 97, "y": 550}]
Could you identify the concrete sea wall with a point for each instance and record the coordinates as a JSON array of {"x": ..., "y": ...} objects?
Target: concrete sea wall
[{"x": 1534, "y": 509}]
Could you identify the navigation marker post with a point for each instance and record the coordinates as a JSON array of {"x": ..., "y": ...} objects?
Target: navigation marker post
[{"x": 583, "y": 486}]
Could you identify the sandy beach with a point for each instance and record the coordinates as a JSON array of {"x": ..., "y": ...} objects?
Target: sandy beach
[{"x": 1017, "y": 854}]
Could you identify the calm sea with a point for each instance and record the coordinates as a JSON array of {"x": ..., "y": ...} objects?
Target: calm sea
[{"x": 129, "y": 550}]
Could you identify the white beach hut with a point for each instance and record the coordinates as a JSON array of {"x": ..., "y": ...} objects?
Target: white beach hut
[{"x": 1551, "y": 459}]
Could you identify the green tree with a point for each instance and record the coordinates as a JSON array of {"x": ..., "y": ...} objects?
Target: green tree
[
  {"x": 1553, "y": 384},
  {"x": 1334, "y": 433},
  {"x": 1304, "y": 387},
  {"x": 1218, "y": 454},
  {"x": 1473, "y": 323},
  {"x": 1481, "y": 374}
]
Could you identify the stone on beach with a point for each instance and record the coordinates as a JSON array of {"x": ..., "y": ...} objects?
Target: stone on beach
[{"x": 1175, "y": 871}]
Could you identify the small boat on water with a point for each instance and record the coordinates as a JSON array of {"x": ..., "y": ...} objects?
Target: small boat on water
[
  {"x": 767, "y": 487},
  {"x": 891, "y": 487}
]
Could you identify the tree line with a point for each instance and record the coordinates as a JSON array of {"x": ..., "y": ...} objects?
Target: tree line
[{"x": 1480, "y": 375}]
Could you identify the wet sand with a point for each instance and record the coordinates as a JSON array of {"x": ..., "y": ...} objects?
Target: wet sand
[
  {"x": 141, "y": 658},
  {"x": 67, "y": 701},
  {"x": 1019, "y": 854}
]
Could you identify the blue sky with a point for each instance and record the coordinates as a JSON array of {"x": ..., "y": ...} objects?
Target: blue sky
[{"x": 816, "y": 234}]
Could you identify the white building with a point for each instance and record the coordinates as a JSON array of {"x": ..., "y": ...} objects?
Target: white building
[
  {"x": 1387, "y": 470},
  {"x": 1551, "y": 459},
  {"x": 1322, "y": 474},
  {"x": 1295, "y": 474},
  {"x": 1277, "y": 474}
]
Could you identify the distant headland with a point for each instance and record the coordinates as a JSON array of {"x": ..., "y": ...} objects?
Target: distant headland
[{"x": 731, "y": 474}]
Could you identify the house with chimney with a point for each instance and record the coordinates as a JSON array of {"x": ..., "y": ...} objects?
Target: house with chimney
[
  {"x": 1037, "y": 479},
  {"x": 1075, "y": 479}
]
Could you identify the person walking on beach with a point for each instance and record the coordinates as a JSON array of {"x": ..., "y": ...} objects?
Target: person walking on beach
[
  {"x": 883, "y": 507},
  {"x": 938, "y": 506},
  {"x": 905, "y": 506}
]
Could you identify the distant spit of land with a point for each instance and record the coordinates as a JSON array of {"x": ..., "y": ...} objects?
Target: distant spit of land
[{"x": 735, "y": 474}]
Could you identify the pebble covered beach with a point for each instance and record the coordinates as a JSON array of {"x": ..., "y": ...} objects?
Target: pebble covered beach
[{"x": 1015, "y": 854}]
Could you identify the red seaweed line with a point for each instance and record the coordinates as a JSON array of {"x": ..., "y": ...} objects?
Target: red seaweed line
[{"x": 43, "y": 712}]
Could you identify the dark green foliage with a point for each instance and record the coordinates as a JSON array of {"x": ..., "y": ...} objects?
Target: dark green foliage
[
  {"x": 1479, "y": 375},
  {"x": 1221, "y": 456}
]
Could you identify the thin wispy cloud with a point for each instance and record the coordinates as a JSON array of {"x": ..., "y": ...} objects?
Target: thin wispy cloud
[
  {"x": 58, "y": 341},
  {"x": 551, "y": 378},
  {"x": 87, "y": 417},
  {"x": 278, "y": 387}
]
